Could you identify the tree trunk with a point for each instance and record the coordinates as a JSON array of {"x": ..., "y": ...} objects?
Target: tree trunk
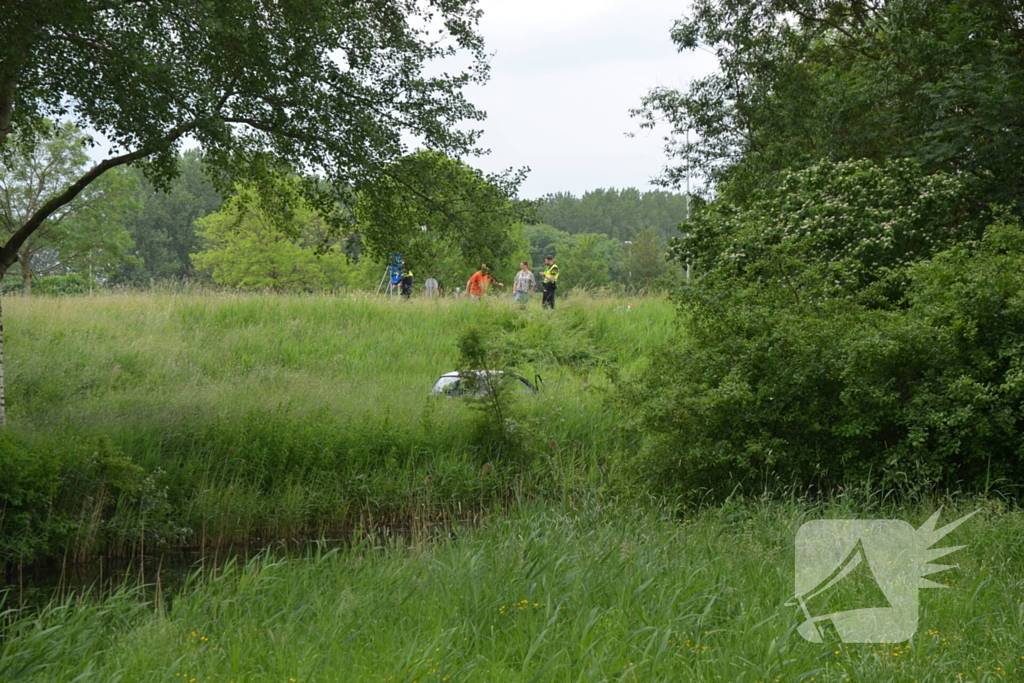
[
  {"x": 6, "y": 107},
  {"x": 26, "y": 280},
  {"x": 3, "y": 398}
]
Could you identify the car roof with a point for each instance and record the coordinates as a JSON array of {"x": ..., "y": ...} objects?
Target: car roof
[{"x": 459, "y": 373}]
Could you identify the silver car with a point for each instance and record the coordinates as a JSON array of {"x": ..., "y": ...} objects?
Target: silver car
[{"x": 479, "y": 383}]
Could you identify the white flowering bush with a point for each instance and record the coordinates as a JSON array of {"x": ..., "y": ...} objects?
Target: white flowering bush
[
  {"x": 855, "y": 326},
  {"x": 834, "y": 229}
]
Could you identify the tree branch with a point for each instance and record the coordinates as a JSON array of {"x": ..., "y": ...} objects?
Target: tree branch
[{"x": 9, "y": 251}]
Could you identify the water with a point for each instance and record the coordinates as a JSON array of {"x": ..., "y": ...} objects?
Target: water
[{"x": 163, "y": 574}]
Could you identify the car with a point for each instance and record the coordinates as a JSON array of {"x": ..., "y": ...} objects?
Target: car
[{"x": 461, "y": 383}]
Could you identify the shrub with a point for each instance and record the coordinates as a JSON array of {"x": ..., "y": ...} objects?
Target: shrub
[{"x": 783, "y": 382}]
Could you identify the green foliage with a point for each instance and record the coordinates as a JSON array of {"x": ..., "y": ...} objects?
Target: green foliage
[
  {"x": 772, "y": 390},
  {"x": 595, "y": 260},
  {"x": 800, "y": 82},
  {"x": 330, "y": 88},
  {"x": 74, "y": 496},
  {"x": 644, "y": 262},
  {"x": 86, "y": 236},
  {"x": 832, "y": 230},
  {"x": 496, "y": 431},
  {"x": 614, "y": 213},
  {"x": 162, "y": 228},
  {"x": 27, "y": 493},
  {"x": 585, "y": 260},
  {"x": 431, "y": 208},
  {"x": 543, "y": 240},
  {"x": 247, "y": 246},
  {"x": 58, "y": 285},
  {"x": 53, "y": 285}
]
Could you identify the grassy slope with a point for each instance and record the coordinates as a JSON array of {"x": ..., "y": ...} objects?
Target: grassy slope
[
  {"x": 251, "y": 417},
  {"x": 572, "y": 590},
  {"x": 128, "y": 360}
]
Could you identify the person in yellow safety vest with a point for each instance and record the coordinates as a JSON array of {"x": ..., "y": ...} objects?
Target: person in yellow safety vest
[
  {"x": 406, "y": 283},
  {"x": 549, "y": 277}
]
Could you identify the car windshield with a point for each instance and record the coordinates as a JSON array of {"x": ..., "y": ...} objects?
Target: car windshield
[{"x": 446, "y": 385}]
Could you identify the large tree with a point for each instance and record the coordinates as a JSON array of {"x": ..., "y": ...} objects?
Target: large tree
[
  {"x": 331, "y": 86},
  {"x": 802, "y": 81},
  {"x": 584, "y": 260},
  {"x": 645, "y": 259},
  {"x": 615, "y": 213},
  {"x": 163, "y": 228},
  {"x": 86, "y": 235},
  {"x": 245, "y": 248},
  {"x": 431, "y": 208}
]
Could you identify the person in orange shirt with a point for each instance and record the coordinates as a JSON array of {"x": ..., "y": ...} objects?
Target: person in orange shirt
[{"x": 477, "y": 285}]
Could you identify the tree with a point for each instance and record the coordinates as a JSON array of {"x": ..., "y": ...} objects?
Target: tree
[
  {"x": 853, "y": 321},
  {"x": 802, "y": 81},
  {"x": 612, "y": 212},
  {"x": 846, "y": 230},
  {"x": 247, "y": 248},
  {"x": 429, "y": 208},
  {"x": 585, "y": 260},
  {"x": 323, "y": 85},
  {"x": 86, "y": 235},
  {"x": 543, "y": 240},
  {"x": 163, "y": 228},
  {"x": 645, "y": 260}
]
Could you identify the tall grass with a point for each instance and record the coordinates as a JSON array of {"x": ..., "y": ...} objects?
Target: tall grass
[
  {"x": 592, "y": 592},
  {"x": 202, "y": 420}
]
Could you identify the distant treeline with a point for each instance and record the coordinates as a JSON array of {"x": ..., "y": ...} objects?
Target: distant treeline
[
  {"x": 133, "y": 234},
  {"x": 615, "y": 213}
]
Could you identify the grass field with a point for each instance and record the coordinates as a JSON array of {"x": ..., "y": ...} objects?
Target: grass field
[
  {"x": 589, "y": 592},
  {"x": 198, "y": 420},
  {"x": 151, "y": 421}
]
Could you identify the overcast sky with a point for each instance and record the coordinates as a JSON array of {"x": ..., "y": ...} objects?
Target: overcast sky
[{"x": 564, "y": 76}]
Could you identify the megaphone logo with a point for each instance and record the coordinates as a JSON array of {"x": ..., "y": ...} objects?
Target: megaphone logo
[{"x": 872, "y": 567}]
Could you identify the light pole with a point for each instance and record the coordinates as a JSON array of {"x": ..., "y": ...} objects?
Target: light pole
[{"x": 629, "y": 258}]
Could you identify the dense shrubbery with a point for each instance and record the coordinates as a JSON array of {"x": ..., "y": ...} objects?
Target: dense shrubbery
[
  {"x": 55, "y": 285},
  {"x": 838, "y": 334},
  {"x": 59, "y": 496}
]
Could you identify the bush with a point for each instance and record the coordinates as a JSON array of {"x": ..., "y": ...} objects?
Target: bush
[
  {"x": 61, "y": 495},
  {"x": 778, "y": 387}
]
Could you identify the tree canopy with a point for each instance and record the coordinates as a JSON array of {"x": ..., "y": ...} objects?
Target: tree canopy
[
  {"x": 329, "y": 89},
  {"x": 808, "y": 80},
  {"x": 325, "y": 85},
  {"x": 162, "y": 227},
  {"x": 855, "y": 306},
  {"x": 612, "y": 212},
  {"x": 429, "y": 208},
  {"x": 87, "y": 235},
  {"x": 243, "y": 246}
]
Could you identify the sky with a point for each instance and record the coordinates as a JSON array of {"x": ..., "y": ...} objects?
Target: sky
[{"x": 564, "y": 75}]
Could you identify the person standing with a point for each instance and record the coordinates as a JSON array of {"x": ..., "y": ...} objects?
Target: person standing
[
  {"x": 524, "y": 285},
  {"x": 406, "y": 283},
  {"x": 549, "y": 278},
  {"x": 477, "y": 285}
]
